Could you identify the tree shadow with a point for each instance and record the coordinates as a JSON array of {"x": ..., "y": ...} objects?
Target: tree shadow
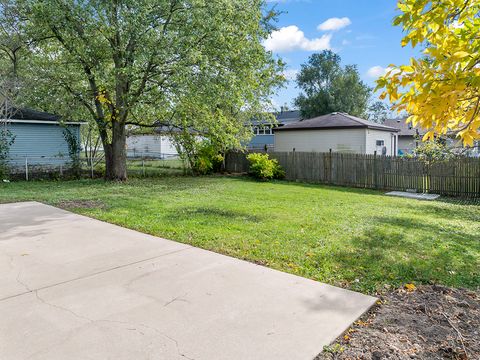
[
  {"x": 385, "y": 253},
  {"x": 312, "y": 185},
  {"x": 183, "y": 214},
  {"x": 437, "y": 209}
]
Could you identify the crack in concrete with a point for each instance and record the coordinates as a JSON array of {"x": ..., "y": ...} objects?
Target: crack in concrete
[
  {"x": 42, "y": 300},
  {"x": 177, "y": 298},
  {"x": 21, "y": 282},
  {"x": 131, "y": 324},
  {"x": 96, "y": 273}
]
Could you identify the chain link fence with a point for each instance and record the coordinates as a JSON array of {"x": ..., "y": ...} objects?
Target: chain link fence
[{"x": 62, "y": 167}]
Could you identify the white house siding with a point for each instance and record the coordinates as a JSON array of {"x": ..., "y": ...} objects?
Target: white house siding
[
  {"x": 347, "y": 140},
  {"x": 388, "y": 138},
  {"x": 150, "y": 146}
]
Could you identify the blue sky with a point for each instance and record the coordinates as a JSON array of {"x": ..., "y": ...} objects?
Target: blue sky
[{"x": 360, "y": 31}]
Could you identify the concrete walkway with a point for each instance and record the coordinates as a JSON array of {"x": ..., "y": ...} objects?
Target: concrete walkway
[{"x": 76, "y": 288}]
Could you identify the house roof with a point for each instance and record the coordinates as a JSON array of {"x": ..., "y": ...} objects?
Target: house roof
[
  {"x": 404, "y": 128},
  {"x": 15, "y": 113},
  {"x": 288, "y": 116},
  {"x": 283, "y": 117},
  {"x": 334, "y": 120},
  {"x": 26, "y": 115}
]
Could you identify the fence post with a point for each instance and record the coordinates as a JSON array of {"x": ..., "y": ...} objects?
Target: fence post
[
  {"x": 61, "y": 170},
  {"x": 143, "y": 167},
  {"x": 375, "y": 175},
  {"x": 330, "y": 165},
  {"x": 294, "y": 166},
  {"x": 26, "y": 168}
]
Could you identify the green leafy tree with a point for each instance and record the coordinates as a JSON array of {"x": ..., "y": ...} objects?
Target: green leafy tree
[
  {"x": 328, "y": 87},
  {"x": 378, "y": 112},
  {"x": 142, "y": 63}
]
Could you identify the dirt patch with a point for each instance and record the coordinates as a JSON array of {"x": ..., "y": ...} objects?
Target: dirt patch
[
  {"x": 81, "y": 204},
  {"x": 429, "y": 322}
]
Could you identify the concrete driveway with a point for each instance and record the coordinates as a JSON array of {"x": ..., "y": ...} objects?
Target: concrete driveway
[{"x": 76, "y": 288}]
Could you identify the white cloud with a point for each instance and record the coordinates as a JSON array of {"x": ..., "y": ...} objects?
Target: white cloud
[
  {"x": 376, "y": 71},
  {"x": 291, "y": 38},
  {"x": 334, "y": 24}
]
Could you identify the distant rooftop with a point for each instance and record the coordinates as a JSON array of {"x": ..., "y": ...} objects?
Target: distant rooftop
[
  {"x": 405, "y": 129},
  {"x": 334, "y": 120},
  {"x": 283, "y": 117}
]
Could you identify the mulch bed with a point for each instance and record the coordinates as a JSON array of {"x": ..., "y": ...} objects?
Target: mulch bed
[{"x": 428, "y": 322}]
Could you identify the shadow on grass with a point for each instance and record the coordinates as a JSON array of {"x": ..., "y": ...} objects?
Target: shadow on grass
[
  {"x": 310, "y": 185},
  {"x": 459, "y": 211},
  {"x": 385, "y": 254},
  {"x": 213, "y": 213}
]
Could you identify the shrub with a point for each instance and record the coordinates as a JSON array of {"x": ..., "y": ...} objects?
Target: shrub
[
  {"x": 208, "y": 160},
  {"x": 264, "y": 168}
]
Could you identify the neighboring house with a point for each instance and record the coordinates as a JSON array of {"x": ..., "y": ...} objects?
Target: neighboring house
[
  {"x": 263, "y": 136},
  {"x": 38, "y": 137},
  {"x": 339, "y": 132},
  {"x": 409, "y": 137},
  {"x": 150, "y": 145}
]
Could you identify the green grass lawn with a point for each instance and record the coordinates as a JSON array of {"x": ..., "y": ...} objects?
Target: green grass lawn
[{"x": 357, "y": 239}]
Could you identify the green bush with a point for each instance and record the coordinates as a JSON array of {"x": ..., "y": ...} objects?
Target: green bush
[
  {"x": 264, "y": 168},
  {"x": 208, "y": 160}
]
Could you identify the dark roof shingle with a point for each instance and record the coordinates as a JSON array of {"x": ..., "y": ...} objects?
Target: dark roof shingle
[
  {"x": 404, "y": 128},
  {"x": 15, "y": 113}
]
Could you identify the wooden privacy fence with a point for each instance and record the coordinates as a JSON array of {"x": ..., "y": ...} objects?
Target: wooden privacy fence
[{"x": 455, "y": 177}]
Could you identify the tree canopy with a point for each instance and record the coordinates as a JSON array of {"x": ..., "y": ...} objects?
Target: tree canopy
[
  {"x": 194, "y": 64},
  {"x": 328, "y": 87},
  {"x": 441, "y": 89}
]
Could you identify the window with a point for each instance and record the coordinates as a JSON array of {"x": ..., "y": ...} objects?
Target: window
[
  {"x": 380, "y": 142},
  {"x": 262, "y": 130}
]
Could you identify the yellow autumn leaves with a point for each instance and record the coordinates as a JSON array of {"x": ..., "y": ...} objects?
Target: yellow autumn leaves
[{"x": 440, "y": 90}]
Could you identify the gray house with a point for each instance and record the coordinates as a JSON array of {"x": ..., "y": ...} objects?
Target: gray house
[
  {"x": 38, "y": 137},
  {"x": 263, "y": 136},
  {"x": 409, "y": 137}
]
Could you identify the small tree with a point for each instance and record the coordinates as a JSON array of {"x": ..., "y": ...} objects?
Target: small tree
[{"x": 432, "y": 151}]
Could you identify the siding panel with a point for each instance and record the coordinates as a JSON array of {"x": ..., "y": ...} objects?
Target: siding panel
[
  {"x": 42, "y": 143},
  {"x": 347, "y": 141}
]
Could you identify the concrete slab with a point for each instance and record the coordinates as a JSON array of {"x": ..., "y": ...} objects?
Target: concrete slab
[
  {"x": 416, "y": 196},
  {"x": 77, "y": 288}
]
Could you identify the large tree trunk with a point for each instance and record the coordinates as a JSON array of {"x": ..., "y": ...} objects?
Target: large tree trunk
[{"x": 116, "y": 155}]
